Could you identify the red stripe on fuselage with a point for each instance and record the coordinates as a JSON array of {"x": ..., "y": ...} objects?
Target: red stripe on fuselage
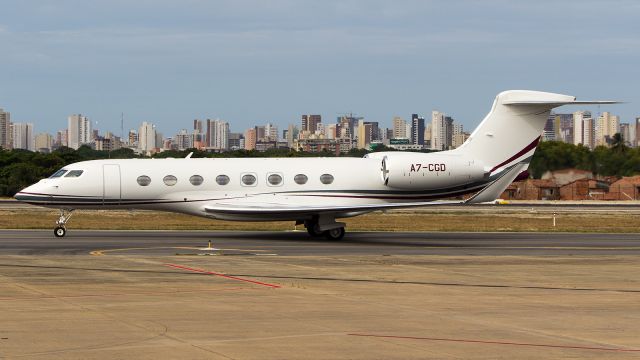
[{"x": 519, "y": 154}]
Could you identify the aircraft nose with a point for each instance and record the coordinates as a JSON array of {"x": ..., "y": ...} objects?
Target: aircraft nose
[
  {"x": 33, "y": 193},
  {"x": 23, "y": 195}
]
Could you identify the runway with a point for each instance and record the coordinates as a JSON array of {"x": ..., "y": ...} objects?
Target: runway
[{"x": 290, "y": 243}]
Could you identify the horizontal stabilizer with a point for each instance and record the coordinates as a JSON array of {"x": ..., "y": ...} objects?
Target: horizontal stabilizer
[{"x": 560, "y": 103}]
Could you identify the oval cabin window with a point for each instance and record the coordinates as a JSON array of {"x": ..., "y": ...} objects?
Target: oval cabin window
[
  {"x": 196, "y": 180},
  {"x": 144, "y": 180},
  {"x": 248, "y": 179},
  {"x": 170, "y": 180},
  {"x": 326, "y": 179},
  {"x": 222, "y": 179},
  {"x": 300, "y": 179},
  {"x": 274, "y": 179}
]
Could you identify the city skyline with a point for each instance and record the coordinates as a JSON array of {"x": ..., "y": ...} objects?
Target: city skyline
[
  {"x": 93, "y": 124},
  {"x": 310, "y": 134},
  {"x": 250, "y": 61}
]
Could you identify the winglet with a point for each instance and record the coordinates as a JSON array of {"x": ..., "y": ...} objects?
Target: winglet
[{"x": 189, "y": 156}]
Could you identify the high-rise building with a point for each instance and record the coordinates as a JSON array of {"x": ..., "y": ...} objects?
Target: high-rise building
[
  {"x": 331, "y": 131},
  {"x": 79, "y": 131},
  {"x": 427, "y": 135},
  {"x": 457, "y": 129},
  {"x": 399, "y": 128},
  {"x": 578, "y": 127},
  {"x": 588, "y": 132},
  {"x": 310, "y": 123},
  {"x": 159, "y": 140},
  {"x": 292, "y": 134},
  {"x": 114, "y": 142},
  {"x": 197, "y": 125},
  {"x": 219, "y": 135},
  {"x": 636, "y": 133},
  {"x": 250, "y": 139},
  {"x": 374, "y": 130},
  {"x": 389, "y": 134},
  {"x": 198, "y": 140},
  {"x": 442, "y": 131},
  {"x": 459, "y": 139},
  {"x": 61, "y": 139},
  {"x": 5, "y": 129},
  {"x": 563, "y": 127},
  {"x": 133, "y": 138},
  {"x": 364, "y": 134},
  {"x": 448, "y": 137},
  {"x": 270, "y": 132},
  {"x": 350, "y": 123},
  {"x": 417, "y": 129},
  {"x": 236, "y": 141},
  {"x": 43, "y": 142},
  {"x": 22, "y": 136},
  {"x": 606, "y": 125},
  {"x": 147, "y": 138},
  {"x": 261, "y": 133},
  {"x": 459, "y": 136},
  {"x": 344, "y": 131},
  {"x": 438, "y": 131},
  {"x": 182, "y": 140},
  {"x": 625, "y": 132},
  {"x": 549, "y": 132}
]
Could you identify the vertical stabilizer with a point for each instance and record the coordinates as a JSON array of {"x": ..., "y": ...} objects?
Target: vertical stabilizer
[{"x": 512, "y": 129}]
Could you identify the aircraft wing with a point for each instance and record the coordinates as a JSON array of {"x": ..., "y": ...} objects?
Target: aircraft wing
[{"x": 257, "y": 205}]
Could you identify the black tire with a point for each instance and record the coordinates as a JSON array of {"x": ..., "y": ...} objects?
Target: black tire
[
  {"x": 313, "y": 230},
  {"x": 59, "y": 231},
  {"x": 335, "y": 234}
]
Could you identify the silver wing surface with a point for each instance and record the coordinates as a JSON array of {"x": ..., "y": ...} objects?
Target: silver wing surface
[{"x": 286, "y": 207}]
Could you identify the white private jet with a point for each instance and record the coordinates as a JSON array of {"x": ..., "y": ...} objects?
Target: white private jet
[{"x": 312, "y": 191}]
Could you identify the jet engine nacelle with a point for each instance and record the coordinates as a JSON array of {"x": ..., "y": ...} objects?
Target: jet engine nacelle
[{"x": 413, "y": 171}]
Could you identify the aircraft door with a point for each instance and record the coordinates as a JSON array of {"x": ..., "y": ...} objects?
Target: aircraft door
[{"x": 111, "y": 184}]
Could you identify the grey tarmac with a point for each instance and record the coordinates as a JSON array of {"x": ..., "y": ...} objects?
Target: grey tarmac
[
  {"x": 283, "y": 295},
  {"x": 299, "y": 243}
]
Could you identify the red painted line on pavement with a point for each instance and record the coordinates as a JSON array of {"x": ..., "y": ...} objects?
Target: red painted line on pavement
[
  {"x": 222, "y": 275},
  {"x": 490, "y": 342}
]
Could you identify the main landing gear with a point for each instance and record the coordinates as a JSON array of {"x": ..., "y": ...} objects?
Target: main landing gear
[
  {"x": 61, "y": 229},
  {"x": 331, "y": 230}
]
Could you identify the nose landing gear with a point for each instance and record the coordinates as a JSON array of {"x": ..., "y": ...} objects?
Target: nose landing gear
[{"x": 60, "y": 229}]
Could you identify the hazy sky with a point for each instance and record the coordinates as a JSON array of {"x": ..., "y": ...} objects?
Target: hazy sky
[{"x": 256, "y": 61}]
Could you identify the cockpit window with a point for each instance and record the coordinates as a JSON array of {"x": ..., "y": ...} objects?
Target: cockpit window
[
  {"x": 74, "y": 173},
  {"x": 58, "y": 174}
]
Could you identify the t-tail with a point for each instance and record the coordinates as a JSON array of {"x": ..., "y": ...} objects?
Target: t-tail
[{"x": 508, "y": 136}]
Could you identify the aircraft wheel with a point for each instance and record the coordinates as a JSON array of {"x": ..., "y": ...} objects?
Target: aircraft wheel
[
  {"x": 335, "y": 234},
  {"x": 59, "y": 231},
  {"x": 313, "y": 230}
]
